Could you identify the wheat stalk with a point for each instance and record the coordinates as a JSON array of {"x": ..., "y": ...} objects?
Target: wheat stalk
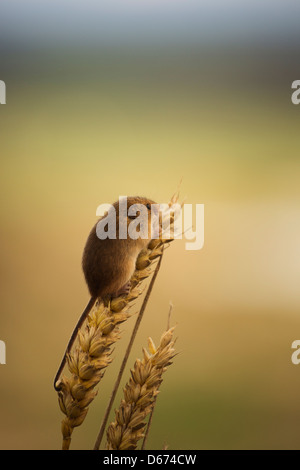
[
  {"x": 140, "y": 394},
  {"x": 91, "y": 354}
]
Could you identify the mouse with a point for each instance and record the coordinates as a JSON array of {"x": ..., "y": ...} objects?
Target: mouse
[{"x": 109, "y": 263}]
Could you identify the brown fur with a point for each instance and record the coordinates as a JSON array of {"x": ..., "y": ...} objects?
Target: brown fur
[{"x": 109, "y": 264}]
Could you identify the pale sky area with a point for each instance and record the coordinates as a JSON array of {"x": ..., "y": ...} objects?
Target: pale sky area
[{"x": 148, "y": 19}]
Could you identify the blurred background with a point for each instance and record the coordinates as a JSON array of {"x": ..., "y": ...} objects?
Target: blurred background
[{"x": 127, "y": 97}]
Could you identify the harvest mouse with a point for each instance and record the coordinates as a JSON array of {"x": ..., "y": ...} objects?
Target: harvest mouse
[{"x": 109, "y": 263}]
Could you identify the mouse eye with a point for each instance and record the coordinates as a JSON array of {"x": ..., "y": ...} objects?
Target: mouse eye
[
  {"x": 134, "y": 216},
  {"x": 148, "y": 206}
]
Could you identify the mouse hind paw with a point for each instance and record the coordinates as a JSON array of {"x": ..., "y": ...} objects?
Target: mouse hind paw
[{"x": 123, "y": 291}]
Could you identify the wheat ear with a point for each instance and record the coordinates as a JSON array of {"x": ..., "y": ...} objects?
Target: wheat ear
[
  {"x": 140, "y": 394},
  {"x": 91, "y": 354}
]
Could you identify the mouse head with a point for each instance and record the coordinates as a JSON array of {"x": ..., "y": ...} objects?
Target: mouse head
[{"x": 139, "y": 213}]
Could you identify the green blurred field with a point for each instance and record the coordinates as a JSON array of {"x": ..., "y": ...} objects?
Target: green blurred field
[{"x": 79, "y": 130}]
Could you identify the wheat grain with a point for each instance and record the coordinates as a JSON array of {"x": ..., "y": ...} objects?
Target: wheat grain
[{"x": 140, "y": 394}]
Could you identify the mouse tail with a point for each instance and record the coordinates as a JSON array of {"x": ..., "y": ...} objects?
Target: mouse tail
[{"x": 83, "y": 316}]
